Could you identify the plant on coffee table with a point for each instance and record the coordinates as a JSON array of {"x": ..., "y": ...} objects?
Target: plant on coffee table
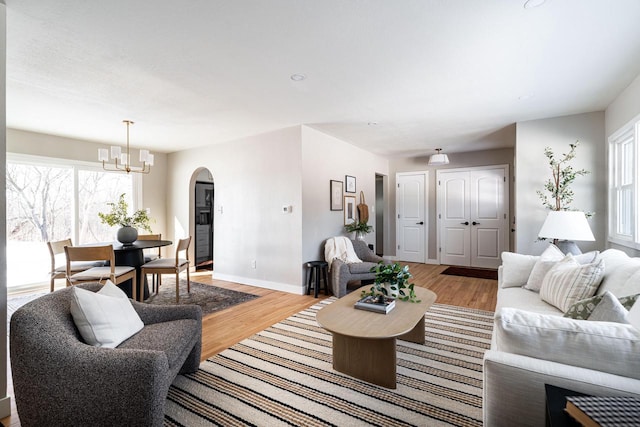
[{"x": 392, "y": 279}]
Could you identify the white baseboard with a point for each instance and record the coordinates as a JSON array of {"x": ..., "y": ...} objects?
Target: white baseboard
[
  {"x": 393, "y": 258},
  {"x": 284, "y": 287},
  {"x": 5, "y": 406}
]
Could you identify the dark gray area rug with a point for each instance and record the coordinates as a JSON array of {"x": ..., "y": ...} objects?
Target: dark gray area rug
[{"x": 210, "y": 298}]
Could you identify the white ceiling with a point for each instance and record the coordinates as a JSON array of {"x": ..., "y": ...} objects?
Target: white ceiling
[{"x": 431, "y": 73}]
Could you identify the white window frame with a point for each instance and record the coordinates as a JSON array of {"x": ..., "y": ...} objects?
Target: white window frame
[
  {"x": 628, "y": 134},
  {"x": 77, "y": 165}
]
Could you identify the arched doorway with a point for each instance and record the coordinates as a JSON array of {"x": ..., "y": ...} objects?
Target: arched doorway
[{"x": 203, "y": 191}]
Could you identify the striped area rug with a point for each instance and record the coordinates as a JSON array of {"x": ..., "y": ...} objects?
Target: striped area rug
[{"x": 283, "y": 376}]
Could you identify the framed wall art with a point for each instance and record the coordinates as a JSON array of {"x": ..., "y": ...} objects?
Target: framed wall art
[
  {"x": 349, "y": 209},
  {"x": 350, "y": 183},
  {"x": 335, "y": 191}
]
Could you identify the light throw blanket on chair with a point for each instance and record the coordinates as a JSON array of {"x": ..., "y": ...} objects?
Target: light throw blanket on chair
[{"x": 340, "y": 247}]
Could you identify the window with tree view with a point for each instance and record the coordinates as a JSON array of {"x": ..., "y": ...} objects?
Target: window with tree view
[{"x": 49, "y": 201}]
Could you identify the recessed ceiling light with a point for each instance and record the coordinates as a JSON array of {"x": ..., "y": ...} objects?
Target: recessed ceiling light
[
  {"x": 530, "y": 4},
  {"x": 298, "y": 77},
  {"x": 525, "y": 97}
]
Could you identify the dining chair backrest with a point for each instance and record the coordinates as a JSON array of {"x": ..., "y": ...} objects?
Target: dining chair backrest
[
  {"x": 183, "y": 245},
  {"x": 90, "y": 253},
  {"x": 57, "y": 248},
  {"x": 152, "y": 237}
]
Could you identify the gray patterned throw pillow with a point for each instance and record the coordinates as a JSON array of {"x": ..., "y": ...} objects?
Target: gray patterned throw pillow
[{"x": 582, "y": 309}]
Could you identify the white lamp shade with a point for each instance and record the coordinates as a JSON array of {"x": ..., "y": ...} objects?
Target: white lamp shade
[
  {"x": 438, "y": 159},
  {"x": 103, "y": 155},
  {"x": 143, "y": 155},
  {"x": 115, "y": 152},
  {"x": 566, "y": 225}
]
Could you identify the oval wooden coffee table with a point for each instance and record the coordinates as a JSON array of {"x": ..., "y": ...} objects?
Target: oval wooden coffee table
[{"x": 364, "y": 342}]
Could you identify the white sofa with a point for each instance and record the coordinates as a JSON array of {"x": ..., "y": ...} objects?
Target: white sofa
[{"x": 533, "y": 345}]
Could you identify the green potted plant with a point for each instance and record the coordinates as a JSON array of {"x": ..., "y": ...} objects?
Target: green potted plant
[
  {"x": 119, "y": 215},
  {"x": 360, "y": 228},
  {"x": 392, "y": 280},
  {"x": 563, "y": 175}
]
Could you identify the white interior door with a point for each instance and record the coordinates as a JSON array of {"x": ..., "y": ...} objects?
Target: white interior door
[
  {"x": 455, "y": 227},
  {"x": 411, "y": 217},
  {"x": 473, "y": 225},
  {"x": 489, "y": 224}
]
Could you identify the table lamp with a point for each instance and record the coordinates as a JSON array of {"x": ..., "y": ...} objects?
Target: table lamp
[{"x": 564, "y": 227}]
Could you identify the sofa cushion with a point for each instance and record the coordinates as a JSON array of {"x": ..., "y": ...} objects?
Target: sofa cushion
[
  {"x": 516, "y": 268},
  {"x": 582, "y": 309},
  {"x": 172, "y": 338},
  {"x": 546, "y": 262},
  {"x": 525, "y": 300},
  {"x": 568, "y": 282},
  {"x": 612, "y": 347},
  {"x": 104, "y": 318},
  {"x": 622, "y": 273}
]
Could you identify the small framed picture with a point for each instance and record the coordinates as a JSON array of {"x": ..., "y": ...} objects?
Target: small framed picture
[
  {"x": 349, "y": 209},
  {"x": 351, "y": 183},
  {"x": 335, "y": 189}
]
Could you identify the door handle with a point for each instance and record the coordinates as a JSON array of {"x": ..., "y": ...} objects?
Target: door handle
[
  {"x": 475, "y": 223},
  {"x": 465, "y": 223},
  {"x": 420, "y": 223}
]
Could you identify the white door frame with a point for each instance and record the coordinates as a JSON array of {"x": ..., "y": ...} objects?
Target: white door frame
[
  {"x": 425, "y": 209},
  {"x": 469, "y": 169}
]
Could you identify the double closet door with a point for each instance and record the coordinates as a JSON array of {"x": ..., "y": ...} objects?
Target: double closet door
[{"x": 473, "y": 223}]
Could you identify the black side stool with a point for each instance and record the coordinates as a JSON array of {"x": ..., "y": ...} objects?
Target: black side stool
[{"x": 318, "y": 270}]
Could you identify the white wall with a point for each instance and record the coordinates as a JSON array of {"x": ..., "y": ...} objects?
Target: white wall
[
  {"x": 623, "y": 109},
  {"x": 532, "y": 171},
  {"x": 254, "y": 177},
  {"x": 39, "y": 144},
  {"x": 326, "y": 158},
  {"x": 457, "y": 160}
]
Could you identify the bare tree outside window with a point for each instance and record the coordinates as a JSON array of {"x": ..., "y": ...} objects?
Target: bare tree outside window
[{"x": 40, "y": 208}]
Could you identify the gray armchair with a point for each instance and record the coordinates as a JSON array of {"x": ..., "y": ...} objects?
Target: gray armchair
[
  {"x": 342, "y": 273},
  {"x": 60, "y": 380}
]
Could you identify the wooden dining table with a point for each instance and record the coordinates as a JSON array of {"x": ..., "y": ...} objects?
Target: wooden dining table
[{"x": 133, "y": 255}]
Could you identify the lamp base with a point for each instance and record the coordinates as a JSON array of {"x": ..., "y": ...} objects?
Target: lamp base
[{"x": 568, "y": 247}]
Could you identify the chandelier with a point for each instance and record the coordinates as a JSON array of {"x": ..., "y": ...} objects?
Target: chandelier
[{"x": 122, "y": 161}]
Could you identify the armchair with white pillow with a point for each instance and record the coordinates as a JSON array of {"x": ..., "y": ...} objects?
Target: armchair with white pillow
[
  {"x": 540, "y": 338},
  {"x": 348, "y": 260}
]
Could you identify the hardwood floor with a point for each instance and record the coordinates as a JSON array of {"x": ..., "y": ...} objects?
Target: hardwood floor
[{"x": 225, "y": 328}]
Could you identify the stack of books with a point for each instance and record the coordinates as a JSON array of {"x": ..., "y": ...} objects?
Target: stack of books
[
  {"x": 374, "y": 304},
  {"x": 601, "y": 411}
]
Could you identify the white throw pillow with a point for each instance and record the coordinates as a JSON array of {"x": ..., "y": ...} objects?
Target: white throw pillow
[
  {"x": 587, "y": 257},
  {"x": 603, "y": 346},
  {"x": 516, "y": 269},
  {"x": 609, "y": 309},
  {"x": 104, "y": 318},
  {"x": 547, "y": 260},
  {"x": 568, "y": 282},
  {"x": 634, "y": 315}
]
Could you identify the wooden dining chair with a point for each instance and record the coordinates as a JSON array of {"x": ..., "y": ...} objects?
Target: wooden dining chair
[
  {"x": 171, "y": 266},
  {"x": 116, "y": 273},
  {"x": 58, "y": 267},
  {"x": 150, "y": 255}
]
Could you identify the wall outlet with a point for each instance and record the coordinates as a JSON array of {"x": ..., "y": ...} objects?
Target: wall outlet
[{"x": 253, "y": 263}]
